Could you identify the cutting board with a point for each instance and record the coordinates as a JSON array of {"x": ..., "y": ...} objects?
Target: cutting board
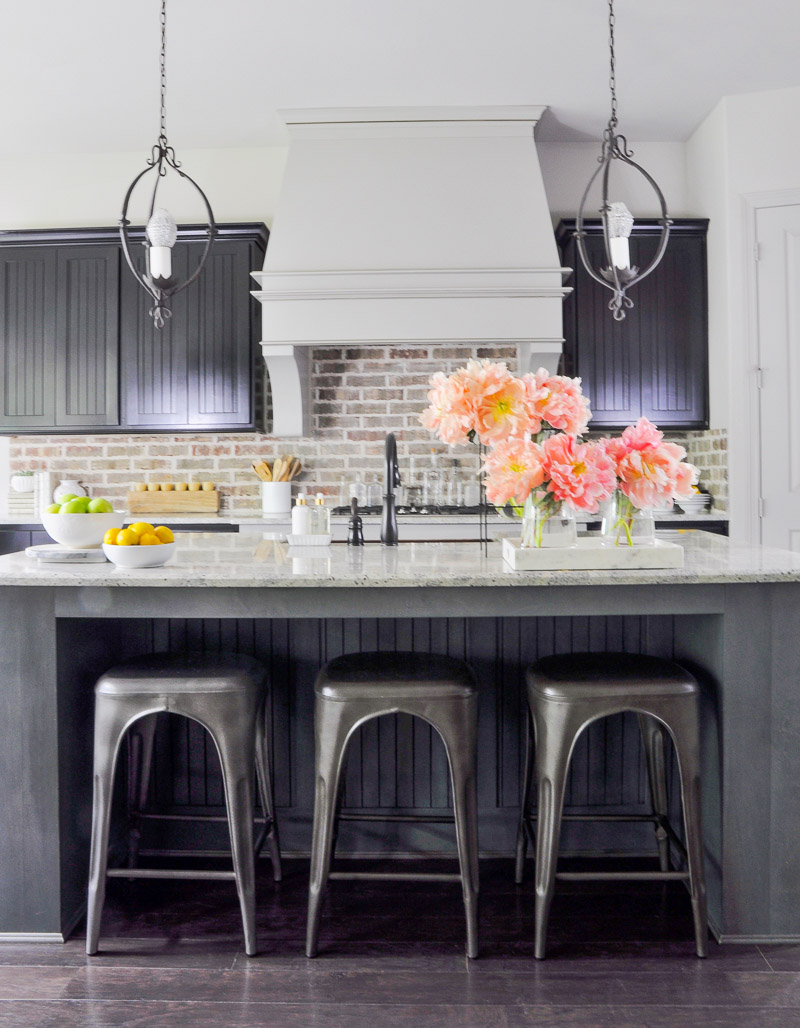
[{"x": 173, "y": 502}]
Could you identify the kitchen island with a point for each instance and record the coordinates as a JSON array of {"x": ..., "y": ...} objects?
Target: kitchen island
[{"x": 731, "y": 614}]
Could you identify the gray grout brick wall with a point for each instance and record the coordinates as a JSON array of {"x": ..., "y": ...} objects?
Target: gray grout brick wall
[{"x": 358, "y": 394}]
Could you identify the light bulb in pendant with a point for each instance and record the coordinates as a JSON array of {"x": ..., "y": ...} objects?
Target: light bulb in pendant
[
  {"x": 620, "y": 223},
  {"x": 162, "y": 232}
]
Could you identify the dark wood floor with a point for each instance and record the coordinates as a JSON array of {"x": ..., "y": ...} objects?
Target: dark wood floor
[{"x": 392, "y": 954}]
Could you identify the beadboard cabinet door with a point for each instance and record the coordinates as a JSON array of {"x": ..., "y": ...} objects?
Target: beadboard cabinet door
[
  {"x": 654, "y": 363},
  {"x": 87, "y": 334},
  {"x": 153, "y": 360},
  {"x": 198, "y": 371},
  {"x": 220, "y": 355},
  {"x": 28, "y": 327}
]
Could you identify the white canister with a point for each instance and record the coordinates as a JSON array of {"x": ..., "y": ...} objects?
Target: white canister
[
  {"x": 276, "y": 497},
  {"x": 66, "y": 486}
]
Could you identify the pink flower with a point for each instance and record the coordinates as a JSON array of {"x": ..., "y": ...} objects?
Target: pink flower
[
  {"x": 558, "y": 401},
  {"x": 448, "y": 413},
  {"x": 581, "y": 474},
  {"x": 513, "y": 468},
  {"x": 642, "y": 435},
  {"x": 499, "y": 401},
  {"x": 653, "y": 477}
]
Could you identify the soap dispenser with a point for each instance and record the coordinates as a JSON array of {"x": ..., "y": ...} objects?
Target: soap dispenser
[
  {"x": 301, "y": 520},
  {"x": 321, "y": 515}
]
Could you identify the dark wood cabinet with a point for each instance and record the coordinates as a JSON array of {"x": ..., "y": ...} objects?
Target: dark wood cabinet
[
  {"x": 79, "y": 349},
  {"x": 28, "y": 325},
  {"x": 87, "y": 337},
  {"x": 655, "y": 362}
]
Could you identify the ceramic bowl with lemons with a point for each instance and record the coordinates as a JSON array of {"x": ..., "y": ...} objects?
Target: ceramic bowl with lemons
[
  {"x": 140, "y": 545},
  {"x": 80, "y": 522}
]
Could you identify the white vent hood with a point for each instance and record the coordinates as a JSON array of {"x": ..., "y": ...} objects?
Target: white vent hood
[{"x": 403, "y": 226}]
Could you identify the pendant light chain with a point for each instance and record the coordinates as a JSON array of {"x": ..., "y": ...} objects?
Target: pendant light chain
[
  {"x": 612, "y": 79},
  {"x": 163, "y": 136}
]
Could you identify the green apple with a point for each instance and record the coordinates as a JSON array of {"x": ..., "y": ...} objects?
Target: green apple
[
  {"x": 67, "y": 497},
  {"x": 54, "y": 508},
  {"x": 100, "y": 506},
  {"x": 72, "y": 507}
]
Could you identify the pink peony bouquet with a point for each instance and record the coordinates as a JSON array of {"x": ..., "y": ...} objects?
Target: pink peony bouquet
[
  {"x": 651, "y": 474},
  {"x": 531, "y": 427}
]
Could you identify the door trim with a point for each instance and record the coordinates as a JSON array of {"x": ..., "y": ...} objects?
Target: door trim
[{"x": 744, "y": 446}]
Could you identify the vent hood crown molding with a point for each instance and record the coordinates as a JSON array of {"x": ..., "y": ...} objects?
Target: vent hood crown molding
[{"x": 408, "y": 225}]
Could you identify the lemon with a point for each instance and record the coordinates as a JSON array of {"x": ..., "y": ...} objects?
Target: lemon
[
  {"x": 111, "y": 536},
  {"x": 127, "y": 537},
  {"x": 165, "y": 534},
  {"x": 149, "y": 539},
  {"x": 141, "y": 528}
]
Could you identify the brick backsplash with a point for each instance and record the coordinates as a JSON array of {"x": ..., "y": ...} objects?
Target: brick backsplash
[{"x": 358, "y": 394}]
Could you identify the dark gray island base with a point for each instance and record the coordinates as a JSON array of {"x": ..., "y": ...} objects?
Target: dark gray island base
[{"x": 732, "y": 615}]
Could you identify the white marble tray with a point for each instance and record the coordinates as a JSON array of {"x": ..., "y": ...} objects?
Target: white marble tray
[{"x": 591, "y": 555}]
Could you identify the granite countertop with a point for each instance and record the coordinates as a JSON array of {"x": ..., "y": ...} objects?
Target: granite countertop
[{"x": 236, "y": 560}]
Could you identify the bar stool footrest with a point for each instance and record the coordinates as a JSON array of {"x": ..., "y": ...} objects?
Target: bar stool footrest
[
  {"x": 623, "y": 876},
  {"x": 391, "y": 876},
  {"x": 152, "y": 872}
]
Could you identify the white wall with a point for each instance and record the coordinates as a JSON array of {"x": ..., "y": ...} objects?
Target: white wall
[
  {"x": 747, "y": 145},
  {"x": 87, "y": 190},
  {"x": 567, "y": 167}
]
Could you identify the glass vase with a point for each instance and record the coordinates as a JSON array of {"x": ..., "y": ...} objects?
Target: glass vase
[
  {"x": 547, "y": 523},
  {"x": 626, "y": 525}
]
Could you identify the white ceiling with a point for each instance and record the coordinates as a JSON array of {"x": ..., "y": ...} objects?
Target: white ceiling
[{"x": 82, "y": 76}]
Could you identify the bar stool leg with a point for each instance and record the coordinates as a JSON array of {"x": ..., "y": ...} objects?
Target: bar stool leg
[
  {"x": 266, "y": 793},
  {"x": 111, "y": 718},
  {"x": 334, "y": 722},
  {"x": 685, "y": 731},
  {"x": 236, "y": 753},
  {"x": 141, "y": 736},
  {"x": 460, "y": 737},
  {"x": 555, "y": 734},
  {"x": 525, "y": 799},
  {"x": 654, "y": 743}
]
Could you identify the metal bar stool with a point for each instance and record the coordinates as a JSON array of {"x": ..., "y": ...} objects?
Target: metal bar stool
[
  {"x": 226, "y": 694},
  {"x": 565, "y": 694},
  {"x": 357, "y": 687}
]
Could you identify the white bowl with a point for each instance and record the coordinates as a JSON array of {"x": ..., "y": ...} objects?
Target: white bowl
[
  {"x": 81, "y": 531},
  {"x": 139, "y": 556}
]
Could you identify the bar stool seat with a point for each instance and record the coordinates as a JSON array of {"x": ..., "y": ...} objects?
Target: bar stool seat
[
  {"x": 565, "y": 694},
  {"x": 394, "y": 676},
  {"x": 357, "y": 687},
  {"x": 225, "y": 693}
]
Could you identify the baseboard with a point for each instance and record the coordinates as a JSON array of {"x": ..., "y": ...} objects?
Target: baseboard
[{"x": 23, "y": 937}]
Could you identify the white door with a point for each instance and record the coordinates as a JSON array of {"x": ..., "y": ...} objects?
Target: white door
[{"x": 778, "y": 237}]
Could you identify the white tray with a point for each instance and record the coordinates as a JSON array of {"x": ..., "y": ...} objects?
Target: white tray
[
  {"x": 55, "y": 553},
  {"x": 591, "y": 555},
  {"x": 309, "y": 540}
]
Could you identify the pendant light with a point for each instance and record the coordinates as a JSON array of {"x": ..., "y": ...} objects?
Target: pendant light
[
  {"x": 617, "y": 274},
  {"x": 161, "y": 232}
]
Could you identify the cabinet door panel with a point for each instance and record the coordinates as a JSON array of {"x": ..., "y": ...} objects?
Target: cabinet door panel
[
  {"x": 219, "y": 347},
  {"x": 87, "y": 327},
  {"x": 153, "y": 359},
  {"x": 27, "y": 323},
  {"x": 674, "y": 390},
  {"x": 606, "y": 351}
]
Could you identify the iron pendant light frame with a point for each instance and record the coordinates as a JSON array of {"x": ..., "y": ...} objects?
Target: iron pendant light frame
[
  {"x": 615, "y": 148},
  {"x": 162, "y": 158}
]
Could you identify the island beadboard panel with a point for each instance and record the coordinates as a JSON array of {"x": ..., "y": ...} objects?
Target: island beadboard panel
[
  {"x": 397, "y": 762},
  {"x": 358, "y": 396}
]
